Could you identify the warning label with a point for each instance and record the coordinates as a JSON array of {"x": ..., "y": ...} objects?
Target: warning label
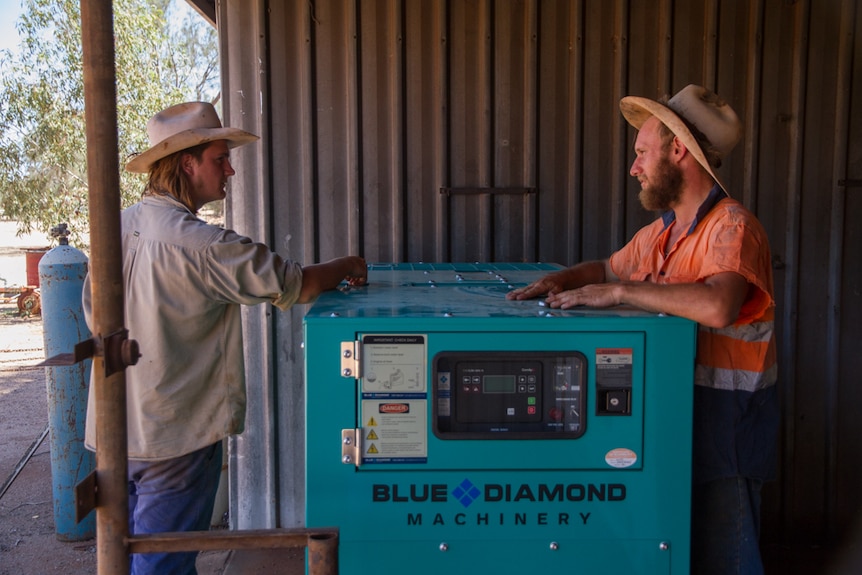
[
  {"x": 394, "y": 409},
  {"x": 394, "y": 431},
  {"x": 614, "y": 367}
]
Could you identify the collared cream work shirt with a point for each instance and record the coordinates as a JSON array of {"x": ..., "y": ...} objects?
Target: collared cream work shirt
[{"x": 184, "y": 281}]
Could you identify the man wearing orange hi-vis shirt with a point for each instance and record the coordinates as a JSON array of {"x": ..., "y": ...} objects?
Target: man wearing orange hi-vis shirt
[{"x": 706, "y": 258}]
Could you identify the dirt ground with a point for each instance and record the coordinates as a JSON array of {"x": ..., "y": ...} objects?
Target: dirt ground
[
  {"x": 29, "y": 544},
  {"x": 27, "y": 535},
  {"x": 28, "y": 541}
]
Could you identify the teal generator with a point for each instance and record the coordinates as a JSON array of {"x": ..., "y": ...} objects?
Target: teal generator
[{"x": 451, "y": 431}]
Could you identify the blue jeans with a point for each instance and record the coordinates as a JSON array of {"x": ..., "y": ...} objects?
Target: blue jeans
[
  {"x": 172, "y": 495},
  {"x": 725, "y": 527}
]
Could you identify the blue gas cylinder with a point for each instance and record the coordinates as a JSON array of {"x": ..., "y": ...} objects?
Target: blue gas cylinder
[{"x": 61, "y": 276}]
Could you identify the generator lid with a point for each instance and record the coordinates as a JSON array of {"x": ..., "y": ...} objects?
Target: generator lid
[{"x": 424, "y": 290}]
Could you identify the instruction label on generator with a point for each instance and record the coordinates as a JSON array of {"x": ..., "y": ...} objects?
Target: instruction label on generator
[
  {"x": 394, "y": 406},
  {"x": 393, "y": 365}
]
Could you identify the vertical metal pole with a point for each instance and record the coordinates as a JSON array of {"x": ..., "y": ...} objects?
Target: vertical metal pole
[
  {"x": 106, "y": 282},
  {"x": 323, "y": 554}
]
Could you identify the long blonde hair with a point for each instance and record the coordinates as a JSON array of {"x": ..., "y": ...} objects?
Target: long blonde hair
[{"x": 167, "y": 177}]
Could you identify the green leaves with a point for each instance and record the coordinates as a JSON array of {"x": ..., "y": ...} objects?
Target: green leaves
[{"x": 162, "y": 58}]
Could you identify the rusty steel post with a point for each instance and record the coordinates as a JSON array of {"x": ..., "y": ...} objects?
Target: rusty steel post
[
  {"x": 323, "y": 554},
  {"x": 106, "y": 281}
]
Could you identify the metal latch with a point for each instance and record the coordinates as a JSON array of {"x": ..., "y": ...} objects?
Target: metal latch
[
  {"x": 351, "y": 446},
  {"x": 350, "y": 359}
]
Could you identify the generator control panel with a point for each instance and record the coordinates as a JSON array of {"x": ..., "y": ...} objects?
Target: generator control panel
[{"x": 511, "y": 395}]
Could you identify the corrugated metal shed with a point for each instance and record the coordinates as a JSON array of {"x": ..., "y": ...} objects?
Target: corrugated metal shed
[{"x": 433, "y": 130}]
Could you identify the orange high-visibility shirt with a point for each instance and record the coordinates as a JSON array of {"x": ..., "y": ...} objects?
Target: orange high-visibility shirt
[{"x": 726, "y": 238}]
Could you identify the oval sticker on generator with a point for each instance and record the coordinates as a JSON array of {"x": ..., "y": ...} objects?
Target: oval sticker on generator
[{"x": 621, "y": 457}]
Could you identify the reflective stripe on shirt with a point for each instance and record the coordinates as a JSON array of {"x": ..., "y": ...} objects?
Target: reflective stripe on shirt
[{"x": 735, "y": 379}]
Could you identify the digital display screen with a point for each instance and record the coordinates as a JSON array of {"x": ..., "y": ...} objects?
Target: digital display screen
[{"x": 498, "y": 384}]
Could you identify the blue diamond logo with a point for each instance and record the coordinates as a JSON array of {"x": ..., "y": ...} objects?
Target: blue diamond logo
[{"x": 466, "y": 493}]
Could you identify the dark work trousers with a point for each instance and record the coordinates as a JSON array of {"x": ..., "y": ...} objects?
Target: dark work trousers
[
  {"x": 172, "y": 495},
  {"x": 725, "y": 527}
]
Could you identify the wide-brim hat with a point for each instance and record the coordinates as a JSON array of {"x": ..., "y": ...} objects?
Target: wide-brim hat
[
  {"x": 702, "y": 109},
  {"x": 181, "y": 127}
]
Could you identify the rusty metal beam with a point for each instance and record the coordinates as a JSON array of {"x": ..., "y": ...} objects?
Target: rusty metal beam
[
  {"x": 106, "y": 281},
  {"x": 218, "y": 540},
  {"x": 322, "y": 543}
]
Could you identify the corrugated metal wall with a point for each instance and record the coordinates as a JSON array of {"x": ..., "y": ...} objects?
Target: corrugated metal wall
[{"x": 432, "y": 130}]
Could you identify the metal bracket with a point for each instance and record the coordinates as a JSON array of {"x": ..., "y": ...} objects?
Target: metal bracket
[
  {"x": 351, "y": 446},
  {"x": 86, "y": 492},
  {"x": 83, "y": 350},
  {"x": 350, "y": 359},
  {"x": 118, "y": 350}
]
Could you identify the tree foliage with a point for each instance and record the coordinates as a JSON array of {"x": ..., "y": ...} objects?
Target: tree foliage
[{"x": 161, "y": 59}]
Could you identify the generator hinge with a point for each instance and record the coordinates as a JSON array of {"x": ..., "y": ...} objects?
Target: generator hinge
[
  {"x": 351, "y": 446},
  {"x": 350, "y": 359}
]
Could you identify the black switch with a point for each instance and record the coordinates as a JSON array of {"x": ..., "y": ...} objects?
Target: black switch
[{"x": 615, "y": 401}]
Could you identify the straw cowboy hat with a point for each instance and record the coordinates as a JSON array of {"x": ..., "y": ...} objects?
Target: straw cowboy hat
[
  {"x": 181, "y": 127},
  {"x": 702, "y": 109}
]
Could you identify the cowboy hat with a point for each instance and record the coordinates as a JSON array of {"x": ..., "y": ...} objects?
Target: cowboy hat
[
  {"x": 702, "y": 109},
  {"x": 181, "y": 127}
]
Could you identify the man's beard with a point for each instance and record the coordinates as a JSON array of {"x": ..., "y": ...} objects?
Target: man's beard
[{"x": 664, "y": 189}]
